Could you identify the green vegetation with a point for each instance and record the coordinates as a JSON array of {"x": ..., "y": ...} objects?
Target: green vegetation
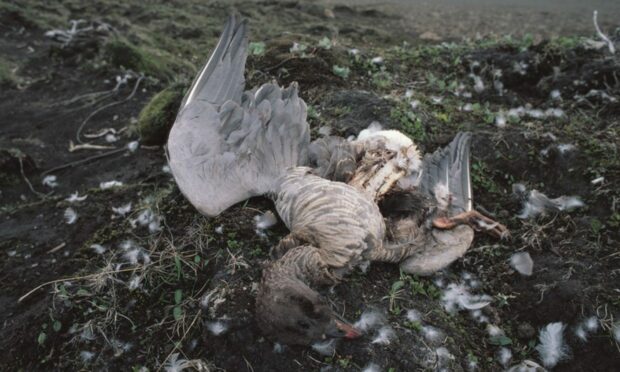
[
  {"x": 157, "y": 117},
  {"x": 410, "y": 124},
  {"x": 123, "y": 54}
]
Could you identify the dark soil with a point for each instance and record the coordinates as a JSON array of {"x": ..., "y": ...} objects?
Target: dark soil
[{"x": 57, "y": 326}]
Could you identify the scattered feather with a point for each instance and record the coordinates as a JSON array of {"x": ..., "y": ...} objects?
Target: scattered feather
[
  {"x": 265, "y": 220},
  {"x": 122, "y": 210},
  {"x": 413, "y": 315},
  {"x": 278, "y": 348},
  {"x": 472, "y": 365},
  {"x": 166, "y": 169},
  {"x": 354, "y": 51},
  {"x": 371, "y": 367},
  {"x": 414, "y": 104},
  {"x": 155, "y": 225},
  {"x": 326, "y": 348},
  {"x": 369, "y": 320},
  {"x": 536, "y": 203},
  {"x": 86, "y": 356},
  {"x": 581, "y": 333},
  {"x": 75, "y": 197},
  {"x": 494, "y": 331},
  {"x": 478, "y": 83},
  {"x": 109, "y": 138},
  {"x": 219, "y": 229},
  {"x": 70, "y": 216},
  {"x": 443, "y": 353},
  {"x": 217, "y": 328},
  {"x": 432, "y": 334},
  {"x": 110, "y": 184},
  {"x": 504, "y": 355},
  {"x": 552, "y": 348},
  {"x": 522, "y": 263},
  {"x": 555, "y": 95},
  {"x": 591, "y": 324},
  {"x": 98, "y": 248},
  {"x": 50, "y": 181},
  {"x": 385, "y": 335},
  {"x": 176, "y": 364},
  {"x": 457, "y": 297},
  {"x": 615, "y": 330},
  {"x": 377, "y": 60},
  {"x": 134, "y": 282},
  {"x": 133, "y": 146},
  {"x": 500, "y": 120},
  {"x": 598, "y": 181}
]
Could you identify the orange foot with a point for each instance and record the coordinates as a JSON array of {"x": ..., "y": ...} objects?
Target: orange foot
[{"x": 476, "y": 220}]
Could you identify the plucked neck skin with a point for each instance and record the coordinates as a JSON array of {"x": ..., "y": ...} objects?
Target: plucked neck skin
[{"x": 304, "y": 263}]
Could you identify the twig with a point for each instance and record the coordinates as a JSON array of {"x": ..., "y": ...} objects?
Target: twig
[
  {"x": 88, "y": 146},
  {"x": 176, "y": 345},
  {"x": 82, "y": 161},
  {"x": 21, "y": 170},
  {"x": 600, "y": 33},
  {"x": 57, "y": 248},
  {"x": 130, "y": 96}
]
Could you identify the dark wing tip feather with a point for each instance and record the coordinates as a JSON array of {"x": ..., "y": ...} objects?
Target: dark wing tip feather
[
  {"x": 450, "y": 166},
  {"x": 222, "y": 77}
]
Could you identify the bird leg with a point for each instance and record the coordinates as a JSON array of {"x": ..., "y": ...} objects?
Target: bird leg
[{"x": 476, "y": 220}]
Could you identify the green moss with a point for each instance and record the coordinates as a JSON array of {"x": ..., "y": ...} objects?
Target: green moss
[
  {"x": 157, "y": 117},
  {"x": 121, "y": 53}
]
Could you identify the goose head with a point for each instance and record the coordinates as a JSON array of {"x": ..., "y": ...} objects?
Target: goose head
[{"x": 290, "y": 312}]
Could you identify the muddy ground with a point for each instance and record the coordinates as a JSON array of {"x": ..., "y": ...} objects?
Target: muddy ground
[{"x": 127, "y": 292}]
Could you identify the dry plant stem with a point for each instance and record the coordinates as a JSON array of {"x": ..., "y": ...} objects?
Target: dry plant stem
[
  {"x": 130, "y": 96},
  {"x": 600, "y": 33},
  {"x": 21, "y": 170},
  {"x": 176, "y": 346},
  {"x": 82, "y": 161},
  {"x": 72, "y": 278}
]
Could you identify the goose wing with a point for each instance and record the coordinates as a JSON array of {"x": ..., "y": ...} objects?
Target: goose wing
[
  {"x": 226, "y": 145},
  {"x": 445, "y": 175}
]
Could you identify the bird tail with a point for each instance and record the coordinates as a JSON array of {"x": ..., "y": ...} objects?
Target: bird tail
[{"x": 446, "y": 175}]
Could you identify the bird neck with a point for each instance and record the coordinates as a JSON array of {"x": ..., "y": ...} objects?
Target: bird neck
[{"x": 306, "y": 264}]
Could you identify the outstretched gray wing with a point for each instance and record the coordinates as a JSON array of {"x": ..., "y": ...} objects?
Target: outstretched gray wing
[
  {"x": 445, "y": 174},
  {"x": 222, "y": 79},
  {"x": 226, "y": 146}
]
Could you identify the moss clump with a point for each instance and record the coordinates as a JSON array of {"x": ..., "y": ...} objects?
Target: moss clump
[
  {"x": 121, "y": 53},
  {"x": 157, "y": 117}
]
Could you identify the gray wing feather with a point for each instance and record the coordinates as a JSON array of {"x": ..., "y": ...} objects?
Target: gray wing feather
[
  {"x": 220, "y": 158},
  {"x": 227, "y": 145},
  {"x": 448, "y": 169},
  {"x": 222, "y": 78}
]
